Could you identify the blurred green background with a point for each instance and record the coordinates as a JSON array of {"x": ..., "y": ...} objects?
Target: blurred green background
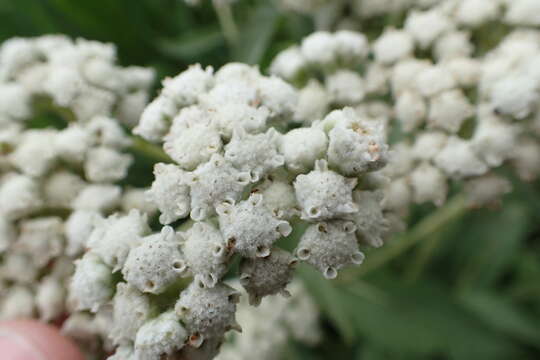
[{"x": 460, "y": 284}]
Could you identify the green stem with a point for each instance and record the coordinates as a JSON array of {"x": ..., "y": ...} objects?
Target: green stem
[
  {"x": 454, "y": 209},
  {"x": 422, "y": 257},
  {"x": 148, "y": 150},
  {"x": 226, "y": 20}
]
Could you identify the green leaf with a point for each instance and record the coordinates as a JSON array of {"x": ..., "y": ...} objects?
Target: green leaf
[
  {"x": 489, "y": 243},
  {"x": 191, "y": 46},
  {"x": 256, "y": 34},
  {"x": 502, "y": 315},
  {"x": 423, "y": 320}
]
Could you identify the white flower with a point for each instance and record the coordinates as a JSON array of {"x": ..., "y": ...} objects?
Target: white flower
[
  {"x": 428, "y": 184},
  {"x": 114, "y": 237},
  {"x": 92, "y": 283},
  {"x": 427, "y": 26},
  {"x": 61, "y": 188},
  {"x": 302, "y": 147},
  {"x": 20, "y": 268},
  {"x": 319, "y": 48},
  {"x": 72, "y": 143},
  {"x": 434, "y": 80},
  {"x": 131, "y": 309},
  {"x": 205, "y": 252},
  {"x": 35, "y": 154},
  {"x": 493, "y": 140},
  {"x": 448, "y": 110},
  {"x": 345, "y": 87},
  {"x": 371, "y": 225},
  {"x": 50, "y": 297},
  {"x": 392, "y": 46},
  {"x": 101, "y": 198},
  {"x": 78, "y": 228},
  {"x": 288, "y": 64},
  {"x": 192, "y": 144},
  {"x": 256, "y": 154},
  {"x": 156, "y": 263},
  {"x": 398, "y": 196},
  {"x": 454, "y": 44},
  {"x": 41, "y": 238},
  {"x": 515, "y": 95},
  {"x": 20, "y": 195},
  {"x": 268, "y": 275},
  {"x": 18, "y": 303},
  {"x": 329, "y": 246},
  {"x": 137, "y": 198},
  {"x": 466, "y": 71},
  {"x": 106, "y": 165},
  {"x": 324, "y": 194},
  {"x": 313, "y": 103},
  {"x": 523, "y": 12},
  {"x": 356, "y": 145},
  {"x": 458, "y": 159},
  {"x": 405, "y": 72},
  {"x": 250, "y": 228},
  {"x": 351, "y": 46},
  {"x": 411, "y": 110},
  {"x": 207, "y": 312},
  {"x": 428, "y": 144},
  {"x": 170, "y": 192},
  {"x": 155, "y": 119},
  {"x": 214, "y": 183},
  {"x": 15, "y": 101},
  {"x": 159, "y": 336},
  {"x": 278, "y": 196},
  {"x": 477, "y": 12},
  {"x": 267, "y": 327}
]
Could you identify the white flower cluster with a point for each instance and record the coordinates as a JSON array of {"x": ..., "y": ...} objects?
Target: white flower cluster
[
  {"x": 510, "y": 84},
  {"x": 55, "y": 183},
  {"x": 462, "y": 114},
  {"x": 245, "y": 174},
  {"x": 467, "y": 13},
  {"x": 80, "y": 76},
  {"x": 268, "y": 328}
]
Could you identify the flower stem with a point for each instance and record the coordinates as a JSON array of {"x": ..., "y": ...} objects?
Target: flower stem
[
  {"x": 453, "y": 210},
  {"x": 226, "y": 20},
  {"x": 142, "y": 147}
]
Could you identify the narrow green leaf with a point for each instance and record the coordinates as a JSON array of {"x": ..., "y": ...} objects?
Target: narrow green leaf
[
  {"x": 501, "y": 314},
  {"x": 489, "y": 243},
  {"x": 190, "y": 46},
  {"x": 256, "y": 34}
]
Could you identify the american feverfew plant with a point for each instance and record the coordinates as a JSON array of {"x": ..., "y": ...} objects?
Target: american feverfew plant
[
  {"x": 55, "y": 182},
  {"x": 268, "y": 328},
  {"x": 449, "y": 122},
  {"x": 244, "y": 177}
]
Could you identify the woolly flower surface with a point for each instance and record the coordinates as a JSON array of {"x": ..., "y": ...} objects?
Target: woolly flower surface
[
  {"x": 243, "y": 177},
  {"x": 266, "y": 329},
  {"x": 79, "y": 75},
  {"x": 57, "y": 183}
]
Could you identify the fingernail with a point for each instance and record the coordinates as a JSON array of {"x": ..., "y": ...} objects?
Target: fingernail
[{"x": 15, "y": 347}]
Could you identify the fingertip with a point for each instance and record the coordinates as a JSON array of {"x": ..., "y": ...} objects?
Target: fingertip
[{"x": 32, "y": 340}]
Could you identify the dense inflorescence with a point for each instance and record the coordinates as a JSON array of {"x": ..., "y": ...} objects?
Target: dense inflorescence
[
  {"x": 265, "y": 172},
  {"x": 454, "y": 112},
  {"x": 268, "y": 328},
  {"x": 246, "y": 176},
  {"x": 56, "y": 182}
]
